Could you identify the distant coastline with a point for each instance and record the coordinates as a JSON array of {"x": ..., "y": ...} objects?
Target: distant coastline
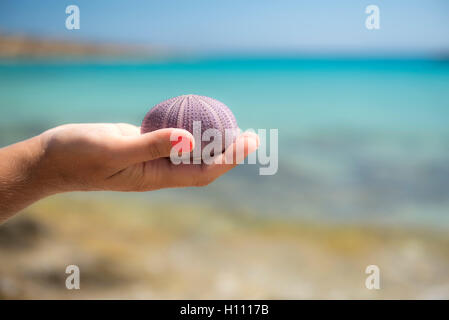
[{"x": 22, "y": 46}]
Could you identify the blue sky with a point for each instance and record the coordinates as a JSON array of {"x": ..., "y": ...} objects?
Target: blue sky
[{"x": 263, "y": 26}]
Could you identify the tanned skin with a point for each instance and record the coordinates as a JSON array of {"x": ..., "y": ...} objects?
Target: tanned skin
[{"x": 89, "y": 157}]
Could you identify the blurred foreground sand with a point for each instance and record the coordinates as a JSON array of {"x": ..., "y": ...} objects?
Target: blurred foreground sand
[{"x": 128, "y": 249}]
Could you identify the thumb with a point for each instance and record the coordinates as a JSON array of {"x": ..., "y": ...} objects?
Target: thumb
[{"x": 155, "y": 144}]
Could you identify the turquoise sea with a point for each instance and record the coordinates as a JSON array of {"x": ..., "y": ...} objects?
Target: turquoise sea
[{"x": 360, "y": 140}]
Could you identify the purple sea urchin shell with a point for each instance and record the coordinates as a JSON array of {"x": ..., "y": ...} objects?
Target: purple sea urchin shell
[{"x": 182, "y": 111}]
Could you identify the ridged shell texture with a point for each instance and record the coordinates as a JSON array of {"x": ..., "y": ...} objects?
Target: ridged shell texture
[{"x": 182, "y": 111}]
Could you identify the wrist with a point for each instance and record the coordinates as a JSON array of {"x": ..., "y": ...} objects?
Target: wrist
[
  {"x": 39, "y": 169},
  {"x": 25, "y": 176}
]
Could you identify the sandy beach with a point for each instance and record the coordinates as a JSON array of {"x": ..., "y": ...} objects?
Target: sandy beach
[{"x": 126, "y": 249}]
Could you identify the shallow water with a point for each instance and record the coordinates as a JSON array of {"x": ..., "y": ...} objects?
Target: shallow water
[{"x": 359, "y": 140}]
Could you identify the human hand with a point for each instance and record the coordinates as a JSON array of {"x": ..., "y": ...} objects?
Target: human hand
[
  {"x": 84, "y": 157},
  {"x": 118, "y": 157}
]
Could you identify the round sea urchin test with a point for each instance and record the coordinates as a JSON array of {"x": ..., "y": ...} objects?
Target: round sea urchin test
[{"x": 189, "y": 112}]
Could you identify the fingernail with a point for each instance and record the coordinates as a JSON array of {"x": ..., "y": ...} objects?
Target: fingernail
[
  {"x": 184, "y": 147},
  {"x": 174, "y": 143}
]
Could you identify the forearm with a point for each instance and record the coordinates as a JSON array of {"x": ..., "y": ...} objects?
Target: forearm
[
  {"x": 22, "y": 176},
  {"x": 89, "y": 157}
]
